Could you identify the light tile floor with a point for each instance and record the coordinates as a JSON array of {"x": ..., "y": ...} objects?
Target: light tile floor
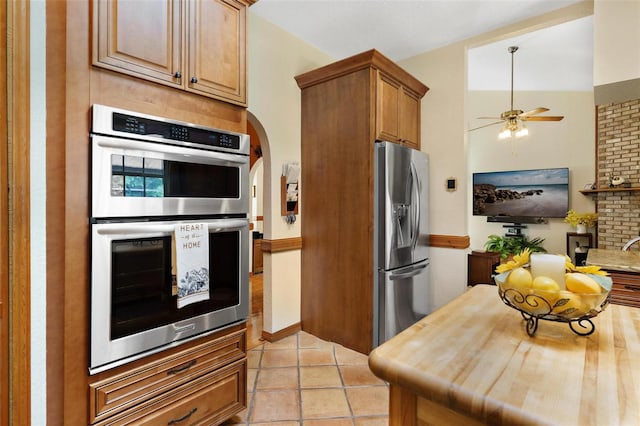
[{"x": 303, "y": 380}]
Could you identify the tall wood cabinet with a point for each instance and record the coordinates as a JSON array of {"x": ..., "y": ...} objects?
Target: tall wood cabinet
[
  {"x": 346, "y": 106},
  {"x": 198, "y": 46}
]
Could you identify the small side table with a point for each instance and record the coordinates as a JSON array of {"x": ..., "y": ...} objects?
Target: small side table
[
  {"x": 582, "y": 240},
  {"x": 481, "y": 266}
]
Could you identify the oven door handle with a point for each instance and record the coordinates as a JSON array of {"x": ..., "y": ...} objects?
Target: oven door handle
[
  {"x": 192, "y": 153},
  {"x": 146, "y": 227}
]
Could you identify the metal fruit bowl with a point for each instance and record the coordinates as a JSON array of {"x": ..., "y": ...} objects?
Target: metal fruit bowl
[{"x": 576, "y": 309}]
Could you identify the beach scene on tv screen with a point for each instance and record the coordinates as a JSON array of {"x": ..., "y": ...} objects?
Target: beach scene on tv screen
[{"x": 530, "y": 193}]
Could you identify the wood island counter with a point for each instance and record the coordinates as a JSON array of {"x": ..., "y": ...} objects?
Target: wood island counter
[{"x": 471, "y": 362}]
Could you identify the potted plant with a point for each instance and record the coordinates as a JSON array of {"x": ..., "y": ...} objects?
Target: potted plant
[
  {"x": 581, "y": 221},
  {"x": 510, "y": 246}
]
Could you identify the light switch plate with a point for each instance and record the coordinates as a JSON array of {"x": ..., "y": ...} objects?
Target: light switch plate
[{"x": 451, "y": 184}]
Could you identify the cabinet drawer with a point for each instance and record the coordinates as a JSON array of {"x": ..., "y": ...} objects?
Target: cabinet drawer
[
  {"x": 123, "y": 391},
  {"x": 626, "y": 288},
  {"x": 626, "y": 294},
  {"x": 210, "y": 399}
]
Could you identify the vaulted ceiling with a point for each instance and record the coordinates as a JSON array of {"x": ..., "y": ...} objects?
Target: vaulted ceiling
[{"x": 555, "y": 58}]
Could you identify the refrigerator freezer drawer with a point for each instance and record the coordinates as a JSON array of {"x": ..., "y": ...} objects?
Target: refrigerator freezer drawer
[{"x": 403, "y": 299}]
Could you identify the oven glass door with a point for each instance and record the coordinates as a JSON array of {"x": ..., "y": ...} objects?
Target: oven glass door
[
  {"x": 134, "y": 290},
  {"x": 135, "y": 179}
]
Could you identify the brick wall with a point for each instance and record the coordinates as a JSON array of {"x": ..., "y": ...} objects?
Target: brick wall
[{"x": 618, "y": 154}]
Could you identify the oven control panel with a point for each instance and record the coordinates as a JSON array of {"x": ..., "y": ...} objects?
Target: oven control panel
[
  {"x": 116, "y": 122},
  {"x": 171, "y": 131}
]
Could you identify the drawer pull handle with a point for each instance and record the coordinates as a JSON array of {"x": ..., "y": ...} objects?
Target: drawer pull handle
[
  {"x": 183, "y": 418},
  {"x": 631, "y": 287},
  {"x": 182, "y": 368}
]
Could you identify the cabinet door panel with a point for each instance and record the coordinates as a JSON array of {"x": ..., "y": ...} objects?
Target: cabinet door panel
[
  {"x": 217, "y": 53},
  {"x": 410, "y": 120},
  {"x": 388, "y": 109},
  {"x": 141, "y": 38}
]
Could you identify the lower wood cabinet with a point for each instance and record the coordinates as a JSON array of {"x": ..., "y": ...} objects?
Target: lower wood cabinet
[
  {"x": 626, "y": 288},
  {"x": 258, "y": 262},
  {"x": 481, "y": 266},
  {"x": 204, "y": 384}
]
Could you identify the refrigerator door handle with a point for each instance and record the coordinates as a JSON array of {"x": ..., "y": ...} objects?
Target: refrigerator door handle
[
  {"x": 409, "y": 271},
  {"x": 416, "y": 203}
]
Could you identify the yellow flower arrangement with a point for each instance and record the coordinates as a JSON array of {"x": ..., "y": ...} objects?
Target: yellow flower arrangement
[
  {"x": 521, "y": 259},
  {"x": 518, "y": 260},
  {"x": 574, "y": 219},
  {"x": 591, "y": 269}
]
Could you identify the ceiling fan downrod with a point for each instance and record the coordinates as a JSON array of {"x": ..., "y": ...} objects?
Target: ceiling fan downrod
[{"x": 512, "y": 50}]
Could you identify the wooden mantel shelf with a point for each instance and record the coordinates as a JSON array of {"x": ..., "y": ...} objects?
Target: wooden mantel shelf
[{"x": 596, "y": 191}]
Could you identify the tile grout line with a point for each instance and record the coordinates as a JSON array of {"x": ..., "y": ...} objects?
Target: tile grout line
[
  {"x": 255, "y": 382},
  {"x": 344, "y": 386},
  {"x": 300, "y": 413}
]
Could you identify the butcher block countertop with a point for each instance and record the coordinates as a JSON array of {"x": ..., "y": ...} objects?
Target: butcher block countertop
[
  {"x": 474, "y": 359},
  {"x": 614, "y": 260}
]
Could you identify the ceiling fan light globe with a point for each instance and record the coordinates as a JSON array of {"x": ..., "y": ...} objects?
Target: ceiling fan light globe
[
  {"x": 522, "y": 132},
  {"x": 504, "y": 133}
]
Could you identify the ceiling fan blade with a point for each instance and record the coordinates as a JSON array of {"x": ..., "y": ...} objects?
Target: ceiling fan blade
[
  {"x": 534, "y": 111},
  {"x": 489, "y": 118},
  {"x": 544, "y": 118},
  {"x": 486, "y": 125}
]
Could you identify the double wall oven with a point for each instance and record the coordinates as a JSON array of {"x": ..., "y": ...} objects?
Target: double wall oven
[{"x": 150, "y": 175}]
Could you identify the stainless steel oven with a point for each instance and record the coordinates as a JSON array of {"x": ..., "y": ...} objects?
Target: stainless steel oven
[
  {"x": 151, "y": 176},
  {"x": 134, "y": 297},
  {"x": 151, "y": 166}
]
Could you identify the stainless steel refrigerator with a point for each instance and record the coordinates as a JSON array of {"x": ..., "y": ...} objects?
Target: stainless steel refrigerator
[{"x": 401, "y": 237}]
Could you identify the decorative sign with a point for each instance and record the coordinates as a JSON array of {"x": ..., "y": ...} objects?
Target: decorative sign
[{"x": 192, "y": 262}]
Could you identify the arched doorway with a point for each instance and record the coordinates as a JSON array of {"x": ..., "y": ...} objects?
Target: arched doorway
[{"x": 258, "y": 213}]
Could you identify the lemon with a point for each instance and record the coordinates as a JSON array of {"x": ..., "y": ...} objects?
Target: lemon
[
  {"x": 551, "y": 296},
  {"x": 545, "y": 284},
  {"x": 569, "y": 305},
  {"x": 520, "y": 279},
  {"x": 593, "y": 301},
  {"x": 581, "y": 283}
]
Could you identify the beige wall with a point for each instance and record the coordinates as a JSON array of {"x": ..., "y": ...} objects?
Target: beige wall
[
  {"x": 567, "y": 143},
  {"x": 275, "y": 57},
  {"x": 616, "y": 27},
  {"x": 443, "y": 138}
]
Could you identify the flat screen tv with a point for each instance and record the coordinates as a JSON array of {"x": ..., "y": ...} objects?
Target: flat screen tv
[{"x": 521, "y": 194}]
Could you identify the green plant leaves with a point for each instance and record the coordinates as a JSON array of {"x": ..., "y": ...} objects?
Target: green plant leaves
[{"x": 508, "y": 246}]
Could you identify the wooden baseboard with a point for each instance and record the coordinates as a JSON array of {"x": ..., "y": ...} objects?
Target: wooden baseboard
[{"x": 285, "y": 332}]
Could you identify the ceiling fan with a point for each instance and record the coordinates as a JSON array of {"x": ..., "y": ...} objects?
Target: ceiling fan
[{"x": 514, "y": 118}]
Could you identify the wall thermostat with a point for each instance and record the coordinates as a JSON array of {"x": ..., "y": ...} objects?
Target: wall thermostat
[{"x": 452, "y": 184}]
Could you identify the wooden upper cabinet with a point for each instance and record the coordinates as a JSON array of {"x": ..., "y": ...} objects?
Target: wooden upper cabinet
[
  {"x": 398, "y": 112},
  {"x": 198, "y": 46},
  {"x": 396, "y": 95},
  {"x": 141, "y": 38},
  {"x": 217, "y": 49}
]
